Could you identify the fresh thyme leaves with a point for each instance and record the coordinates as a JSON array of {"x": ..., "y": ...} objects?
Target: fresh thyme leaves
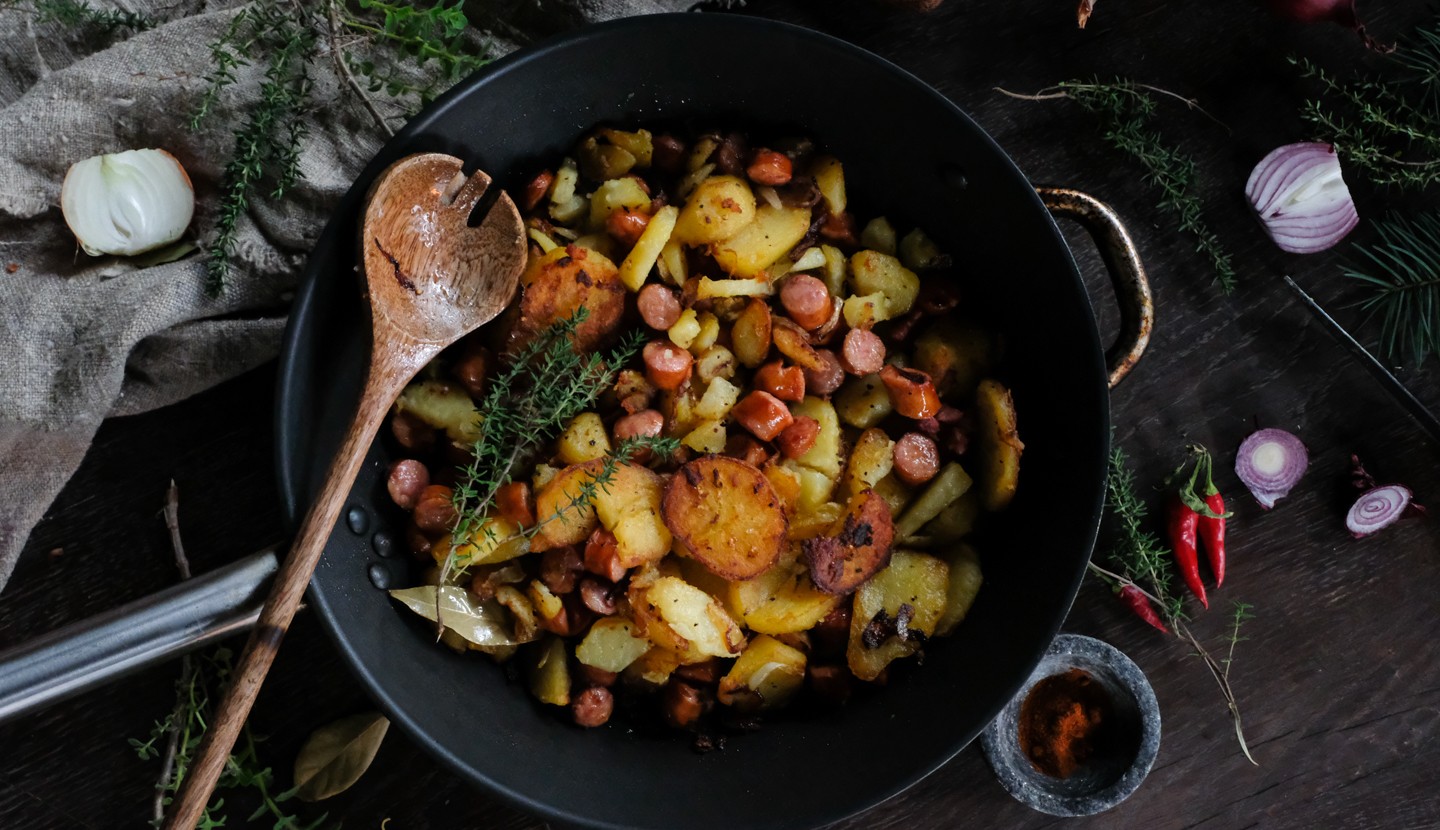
[
  {"x": 1126, "y": 111},
  {"x": 1141, "y": 562},
  {"x": 431, "y": 36},
  {"x": 80, "y": 15},
  {"x": 1400, "y": 272},
  {"x": 268, "y": 143},
  {"x": 283, "y": 38},
  {"x": 1387, "y": 129}
]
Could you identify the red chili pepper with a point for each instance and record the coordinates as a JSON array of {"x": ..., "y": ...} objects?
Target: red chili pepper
[
  {"x": 1212, "y": 528},
  {"x": 1136, "y": 601},
  {"x": 1183, "y": 523}
]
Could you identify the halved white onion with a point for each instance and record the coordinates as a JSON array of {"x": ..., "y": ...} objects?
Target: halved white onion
[{"x": 127, "y": 203}]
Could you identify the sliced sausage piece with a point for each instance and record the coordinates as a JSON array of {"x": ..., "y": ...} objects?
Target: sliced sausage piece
[
  {"x": 862, "y": 353},
  {"x": 799, "y": 437},
  {"x": 626, "y": 225},
  {"x": 516, "y": 502},
  {"x": 659, "y": 306},
  {"x": 917, "y": 460},
  {"x": 646, "y": 423},
  {"x": 840, "y": 228},
  {"x": 602, "y": 555},
  {"x": 746, "y": 448},
  {"x": 784, "y": 382},
  {"x": 593, "y": 706},
  {"x": 472, "y": 366},
  {"x": 769, "y": 167},
  {"x": 683, "y": 704},
  {"x": 668, "y": 153},
  {"x": 765, "y": 415},
  {"x": 536, "y": 189},
  {"x": 667, "y": 365},
  {"x": 592, "y": 676},
  {"x": 560, "y": 569},
  {"x": 411, "y": 432},
  {"x": 434, "y": 512},
  {"x": 598, "y": 596},
  {"x": 912, "y": 392},
  {"x": 705, "y": 674},
  {"x": 806, "y": 300},
  {"x": 407, "y": 480},
  {"x": 826, "y": 379}
]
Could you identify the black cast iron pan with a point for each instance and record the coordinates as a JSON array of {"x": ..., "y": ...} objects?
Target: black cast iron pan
[{"x": 909, "y": 154}]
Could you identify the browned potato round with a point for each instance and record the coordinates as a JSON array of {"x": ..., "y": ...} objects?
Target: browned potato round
[
  {"x": 1000, "y": 445},
  {"x": 554, "y": 286},
  {"x": 725, "y": 515},
  {"x": 857, "y": 547}
]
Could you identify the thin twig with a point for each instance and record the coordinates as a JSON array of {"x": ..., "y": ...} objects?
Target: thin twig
[
  {"x": 345, "y": 72},
  {"x": 187, "y": 667},
  {"x": 1047, "y": 95},
  {"x": 1223, "y": 680}
]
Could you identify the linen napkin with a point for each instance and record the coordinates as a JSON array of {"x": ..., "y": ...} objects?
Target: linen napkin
[{"x": 84, "y": 338}]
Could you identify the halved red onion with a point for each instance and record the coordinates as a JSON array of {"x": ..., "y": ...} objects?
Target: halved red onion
[
  {"x": 1269, "y": 463},
  {"x": 1301, "y": 199},
  {"x": 1377, "y": 509}
]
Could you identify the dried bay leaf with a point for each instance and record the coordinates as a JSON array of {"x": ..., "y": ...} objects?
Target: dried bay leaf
[{"x": 337, "y": 754}]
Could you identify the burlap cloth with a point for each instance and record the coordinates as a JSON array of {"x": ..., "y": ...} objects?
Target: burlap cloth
[{"x": 83, "y": 338}]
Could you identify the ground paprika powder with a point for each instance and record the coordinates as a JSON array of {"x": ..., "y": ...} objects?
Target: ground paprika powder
[{"x": 1063, "y": 722}]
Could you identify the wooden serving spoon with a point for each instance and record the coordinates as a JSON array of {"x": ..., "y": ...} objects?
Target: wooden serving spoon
[{"x": 431, "y": 279}]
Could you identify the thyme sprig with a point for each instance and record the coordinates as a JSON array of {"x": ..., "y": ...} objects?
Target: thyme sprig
[
  {"x": 1386, "y": 128},
  {"x": 1126, "y": 111},
  {"x": 268, "y": 144},
  {"x": 1400, "y": 273},
  {"x": 80, "y": 15},
  {"x": 1140, "y": 560}
]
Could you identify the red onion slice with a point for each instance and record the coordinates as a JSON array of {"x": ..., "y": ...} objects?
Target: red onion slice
[
  {"x": 1269, "y": 463},
  {"x": 1301, "y": 199},
  {"x": 1377, "y": 509}
]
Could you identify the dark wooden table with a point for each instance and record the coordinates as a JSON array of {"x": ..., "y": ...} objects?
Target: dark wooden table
[{"x": 1339, "y": 677}]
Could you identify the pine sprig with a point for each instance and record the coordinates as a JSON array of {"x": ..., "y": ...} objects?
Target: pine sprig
[
  {"x": 1400, "y": 272},
  {"x": 1386, "y": 128},
  {"x": 1126, "y": 111}
]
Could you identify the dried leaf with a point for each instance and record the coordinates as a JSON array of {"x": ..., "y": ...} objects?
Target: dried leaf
[
  {"x": 337, "y": 754},
  {"x": 482, "y": 622}
]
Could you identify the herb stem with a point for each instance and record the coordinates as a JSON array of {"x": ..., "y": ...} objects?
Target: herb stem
[{"x": 336, "y": 54}]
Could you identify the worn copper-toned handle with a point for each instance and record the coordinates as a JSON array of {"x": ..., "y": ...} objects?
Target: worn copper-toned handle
[{"x": 1127, "y": 274}]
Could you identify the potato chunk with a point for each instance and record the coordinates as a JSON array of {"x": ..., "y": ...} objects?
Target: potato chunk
[
  {"x": 955, "y": 357},
  {"x": 773, "y": 233},
  {"x": 766, "y": 676},
  {"x": 444, "y": 406},
  {"x": 783, "y": 600},
  {"x": 684, "y": 619},
  {"x": 1000, "y": 445},
  {"x": 873, "y": 272},
  {"x": 585, "y": 439},
  {"x": 915, "y": 580},
  {"x": 717, "y": 210},
  {"x": 962, "y": 586},
  {"x": 554, "y": 286},
  {"x": 612, "y": 644},
  {"x": 725, "y": 514}
]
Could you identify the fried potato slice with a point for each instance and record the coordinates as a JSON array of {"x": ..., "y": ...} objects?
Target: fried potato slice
[
  {"x": 725, "y": 514},
  {"x": 915, "y": 585},
  {"x": 857, "y": 547},
  {"x": 1000, "y": 445},
  {"x": 677, "y": 616},
  {"x": 554, "y": 286}
]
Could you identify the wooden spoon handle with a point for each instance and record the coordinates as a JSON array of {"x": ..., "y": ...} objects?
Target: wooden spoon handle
[{"x": 289, "y": 588}]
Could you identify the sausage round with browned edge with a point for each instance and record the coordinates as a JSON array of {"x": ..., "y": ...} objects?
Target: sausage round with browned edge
[
  {"x": 916, "y": 457},
  {"x": 659, "y": 306},
  {"x": 862, "y": 352}
]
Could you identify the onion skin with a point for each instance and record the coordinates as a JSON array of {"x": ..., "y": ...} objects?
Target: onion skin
[
  {"x": 1377, "y": 509},
  {"x": 1339, "y": 12},
  {"x": 1300, "y": 197},
  {"x": 1256, "y": 464}
]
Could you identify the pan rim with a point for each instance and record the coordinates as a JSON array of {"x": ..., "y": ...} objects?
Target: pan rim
[{"x": 288, "y": 399}]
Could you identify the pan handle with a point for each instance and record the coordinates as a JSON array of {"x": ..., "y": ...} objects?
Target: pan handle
[
  {"x": 181, "y": 618},
  {"x": 1127, "y": 274}
]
